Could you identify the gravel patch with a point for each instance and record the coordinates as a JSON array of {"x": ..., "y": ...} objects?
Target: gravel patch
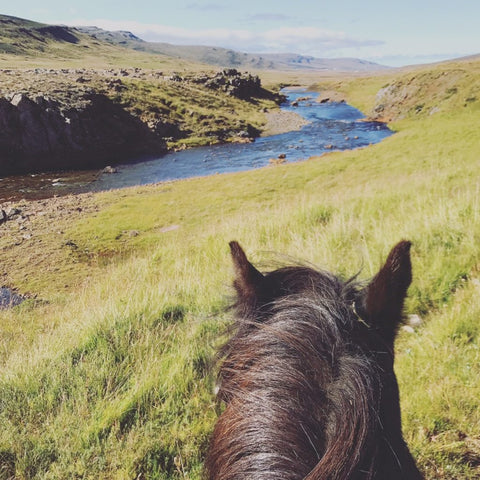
[{"x": 280, "y": 121}]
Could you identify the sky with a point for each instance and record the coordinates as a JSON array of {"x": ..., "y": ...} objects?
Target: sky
[{"x": 393, "y": 33}]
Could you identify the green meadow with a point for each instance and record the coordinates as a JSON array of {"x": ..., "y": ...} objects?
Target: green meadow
[{"x": 107, "y": 371}]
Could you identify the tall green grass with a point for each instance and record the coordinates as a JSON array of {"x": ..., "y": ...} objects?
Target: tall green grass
[{"x": 112, "y": 378}]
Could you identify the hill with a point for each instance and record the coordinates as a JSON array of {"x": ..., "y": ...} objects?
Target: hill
[
  {"x": 228, "y": 58},
  {"x": 20, "y": 36},
  {"x": 106, "y": 367},
  {"x": 25, "y": 43},
  {"x": 32, "y": 41}
]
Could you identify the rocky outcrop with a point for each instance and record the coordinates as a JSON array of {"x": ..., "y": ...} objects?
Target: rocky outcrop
[
  {"x": 41, "y": 133},
  {"x": 240, "y": 85}
]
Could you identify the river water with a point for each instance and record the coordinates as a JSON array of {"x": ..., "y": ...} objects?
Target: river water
[{"x": 332, "y": 126}]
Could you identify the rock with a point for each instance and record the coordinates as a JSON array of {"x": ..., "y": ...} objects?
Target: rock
[
  {"x": 330, "y": 96},
  {"x": 414, "y": 321},
  {"x": 234, "y": 83},
  {"x": 9, "y": 299},
  {"x": 166, "y": 129},
  {"x": 82, "y": 131},
  {"x": 17, "y": 99},
  {"x": 71, "y": 244},
  {"x": 244, "y": 140},
  {"x": 12, "y": 212}
]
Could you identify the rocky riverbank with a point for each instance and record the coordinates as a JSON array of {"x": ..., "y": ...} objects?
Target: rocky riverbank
[
  {"x": 27, "y": 220},
  {"x": 79, "y": 118},
  {"x": 28, "y": 229}
]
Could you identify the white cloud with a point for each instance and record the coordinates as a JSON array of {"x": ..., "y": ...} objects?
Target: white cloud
[
  {"x": 399, "y": 60},
  {"x": 268, "y": 17},
  {"x": 303, "y": 40}
]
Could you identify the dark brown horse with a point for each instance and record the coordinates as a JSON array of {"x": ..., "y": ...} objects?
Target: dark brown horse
[{"x": 307, "y": 377}]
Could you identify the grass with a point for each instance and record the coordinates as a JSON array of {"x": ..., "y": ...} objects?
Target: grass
[
  {"x": 204, "y": 116},
  {"x": 110, "y": 377}
]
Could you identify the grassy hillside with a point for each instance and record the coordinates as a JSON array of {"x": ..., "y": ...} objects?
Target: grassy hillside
[
  {"x": 106, "y": 372},
  {"x": 27, "y": 44},
  {"x": 416, "y": 93}
]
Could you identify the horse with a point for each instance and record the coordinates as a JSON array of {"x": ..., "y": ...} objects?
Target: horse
[{"x": 306, "y": 379}]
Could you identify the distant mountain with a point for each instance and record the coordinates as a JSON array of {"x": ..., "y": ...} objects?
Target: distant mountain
[
  {"x": 223, "y": 57},
  {"x": 120, "y": 37},
  {"x": 22, "y": 37}
]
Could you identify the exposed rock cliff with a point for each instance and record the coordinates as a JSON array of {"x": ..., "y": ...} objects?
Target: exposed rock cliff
[{"x": 41, "y": 133}]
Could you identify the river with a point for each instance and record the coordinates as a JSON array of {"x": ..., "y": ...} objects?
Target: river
[{"x": 332, "y": 126}]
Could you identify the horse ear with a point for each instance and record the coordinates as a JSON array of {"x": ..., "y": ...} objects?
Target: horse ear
[
  {"x": 386, "y": 292},
  {"x": 248, "y": 280}
]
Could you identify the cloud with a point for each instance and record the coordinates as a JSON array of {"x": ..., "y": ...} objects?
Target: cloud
[
  {"x": 312, "y": 38},
  {"x": 398, "y": 60},
  {"x": 268, "y": 17},
  {"x": 303, "y": 40}
]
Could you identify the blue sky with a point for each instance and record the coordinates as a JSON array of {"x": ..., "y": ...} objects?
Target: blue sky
[{"x": 393, "y": 33}]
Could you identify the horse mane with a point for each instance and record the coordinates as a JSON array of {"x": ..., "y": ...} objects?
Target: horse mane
[
  {"x": 307, "y": 376},
  {"x": 268, "y": 361}
]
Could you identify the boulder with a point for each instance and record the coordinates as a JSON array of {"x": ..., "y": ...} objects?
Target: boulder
[{"x": 9, "y": 298}]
